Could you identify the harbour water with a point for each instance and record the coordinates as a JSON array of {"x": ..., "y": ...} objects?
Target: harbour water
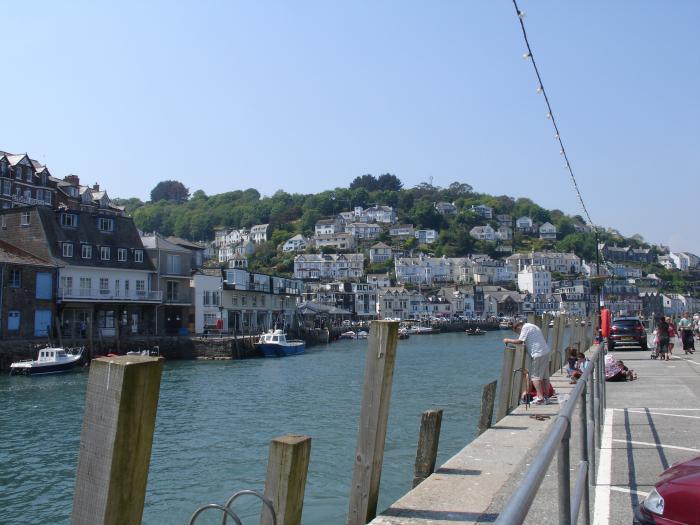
[{"x": 216, "y": 418}]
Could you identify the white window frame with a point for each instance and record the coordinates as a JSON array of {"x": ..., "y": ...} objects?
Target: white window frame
[
  {"x": 104, "y": 285},
  {"x": 138, "y": 256},
  {"x": 105, "y": 224},
  {"x": 69, "y": 220},
  {"x": 104, "y": 250},
  {"x": 67, "y": 249},
  {"x": 15, "y": 283},
  {"x": 140, "y": 286},
  {"x": 121, "y": 254},
  {"x": 24, "y": 218},
  {"x": 86, "y": 251}
]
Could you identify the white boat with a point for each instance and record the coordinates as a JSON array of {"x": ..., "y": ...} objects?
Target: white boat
[
  {"x": 274, "y": 343},
  {"x": 154, "y": 352},
  {"x": 49, "y": 361},
  {"x": 362, "y": 334}
]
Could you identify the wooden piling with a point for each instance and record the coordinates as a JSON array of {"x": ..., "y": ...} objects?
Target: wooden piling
[
  {"x": 374, "y": 414},
  {"x": 517, "y": 376},
  {"x": 428, "y": 439},
  {"x": 115, "y": 443},
  {"x": 505, "y": 382},
  {"x": 488, "y": 397},
  {"x": 285, "y": 483}
]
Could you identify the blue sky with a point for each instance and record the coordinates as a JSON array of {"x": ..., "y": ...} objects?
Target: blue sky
[{"x": 306, "y": 95}]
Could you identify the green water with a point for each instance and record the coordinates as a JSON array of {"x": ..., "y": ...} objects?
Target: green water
[{"x": 216, "y": 418}]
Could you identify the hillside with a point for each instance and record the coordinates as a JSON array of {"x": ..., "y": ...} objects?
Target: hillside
[{"x": 289, "y": 214}]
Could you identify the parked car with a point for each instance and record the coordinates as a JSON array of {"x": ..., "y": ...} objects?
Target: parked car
[
  {"x": 674, "y": 499},
  {"x": 626, "y": 331}
]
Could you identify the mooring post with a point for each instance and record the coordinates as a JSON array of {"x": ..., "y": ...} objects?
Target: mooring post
[
  {"x": 506, "y": 382},
  {"x": 285, "y": 483},
  {"x": 428, "y": 439},
  {"x": 488, "y": 396},
  {"x": 115, "y": 443},
  {"x": 374, "y": 414}
]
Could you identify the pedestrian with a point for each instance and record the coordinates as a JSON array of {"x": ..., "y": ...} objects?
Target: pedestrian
[
  {"x": 685, "y": 327},
  {"x": 663, "y": 338},
  {"x": 536, "y": 345},
  {"x": 672, "y": 335}
]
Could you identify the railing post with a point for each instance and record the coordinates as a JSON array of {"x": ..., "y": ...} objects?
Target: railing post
[
  {"x": 488, "y": 395},
  {"x": 591, "y": 428},
  {"x": 583, "y": 420},
  {"x": 428, "y": 440},
  {"x": 506, "y": 382},
  {"x": 285, "y": 482},
  {"x": 564, "y": 478},
  {"x": 374, "y": 414}
]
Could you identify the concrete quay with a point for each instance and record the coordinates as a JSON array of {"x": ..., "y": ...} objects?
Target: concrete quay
[{"x": 650, "y": 424}]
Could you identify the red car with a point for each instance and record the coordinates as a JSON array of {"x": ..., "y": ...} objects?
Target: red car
[{"x": 675, "y": 499}]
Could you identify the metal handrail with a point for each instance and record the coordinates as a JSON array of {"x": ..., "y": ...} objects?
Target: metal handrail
[{"x": 557, "y": 440}]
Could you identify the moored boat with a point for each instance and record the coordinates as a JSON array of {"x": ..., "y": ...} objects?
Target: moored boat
[
  {"x": 274, "y": 343},
  {"x": 475, "y": 331},
  {"x": 49, "y": 361},
  {"x": 348, "y": 335}
]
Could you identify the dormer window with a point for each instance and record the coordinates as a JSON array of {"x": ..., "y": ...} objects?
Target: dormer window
[
  {"x": 29, "y": 175},
  {"x": 18, "y": 172},
  {"x": 138, "y": 256},
  {"x": 121, "y": 254},
  {"x": 87, "y": 251},
  {"x": 69, "y": 220},
  {"x": 105, "y": 225},
  {"x": 68, "y": 249},
  {"x": 3, "y": 168},
  {"x": 104, "y": 253}
]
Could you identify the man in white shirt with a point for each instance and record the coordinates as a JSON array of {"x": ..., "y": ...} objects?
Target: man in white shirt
[{"x": 536, "y": 345}]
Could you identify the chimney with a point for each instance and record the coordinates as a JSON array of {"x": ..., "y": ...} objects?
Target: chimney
[
  {"x": 95, "y": 187},
  {"x": 74, "y": 180}
]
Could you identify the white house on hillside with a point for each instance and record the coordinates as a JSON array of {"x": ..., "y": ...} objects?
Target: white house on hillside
[
  {"x": 536, "y": 280},
  {"x": 483, "y": 211},
  {"x": 298, "y": 243},
  {"x": 548, "y": 231},
  {"x": 483, "y": 233}
]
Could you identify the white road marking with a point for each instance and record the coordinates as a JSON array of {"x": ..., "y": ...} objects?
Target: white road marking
[
  {"x": 656, "y": 413},
  {"x": 660, "y": 408},
  {"x": 656, "y": 445},
  {"x": 630, "y": 491},
  {"x": 601, "y": 515}
]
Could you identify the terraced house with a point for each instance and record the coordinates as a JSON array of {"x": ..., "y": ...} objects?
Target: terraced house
[
  {"x": 104, "y": 276},
  {"x": 329, "y": 267}
]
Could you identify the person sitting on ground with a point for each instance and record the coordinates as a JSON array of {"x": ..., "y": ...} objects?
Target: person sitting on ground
[
  {"x": 536, "y": 345},
  {"x": 581, "y": 364},
  {"x": 571, "y": 360},
  {"x": 630, "y": 375}
]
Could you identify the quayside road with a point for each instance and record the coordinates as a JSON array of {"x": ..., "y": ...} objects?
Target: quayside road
[{"x": 650, "y": 424}]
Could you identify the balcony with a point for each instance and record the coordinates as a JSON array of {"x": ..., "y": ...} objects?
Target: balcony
[
  {"x": 29, "y": 201},
  {"x": 96, "y": 295}
]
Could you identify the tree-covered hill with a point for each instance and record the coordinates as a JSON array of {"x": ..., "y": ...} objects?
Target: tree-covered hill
[{"x": 196, "y": 217}]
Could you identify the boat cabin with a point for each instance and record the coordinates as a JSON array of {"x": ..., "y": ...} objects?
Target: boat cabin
[{"x": 51, "y": 354}]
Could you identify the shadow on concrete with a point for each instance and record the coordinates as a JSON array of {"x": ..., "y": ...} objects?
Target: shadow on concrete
[
  {"x": 444, "y": 515},
  {"x": 458, "y": 471}
]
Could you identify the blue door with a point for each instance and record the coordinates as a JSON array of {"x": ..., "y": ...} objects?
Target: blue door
[
  {"x": 42, "y": 323},
  {"x": 43, "y": 285}
]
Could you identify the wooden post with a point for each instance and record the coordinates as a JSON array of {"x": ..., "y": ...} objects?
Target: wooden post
[
  {"x": 505, "y": 382},
  {"x": 287, "y": 466},
  {"x": 488, "y": 396},
  {"x": 367, "y": 467},
  {"x": 428, "y": 439},
  {"x": 115, "y": 443},
  {"x": 516, "y": 375}
]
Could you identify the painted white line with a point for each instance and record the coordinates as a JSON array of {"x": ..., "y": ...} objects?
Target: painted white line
[
  {"x": 654, "y": 413},
  {"x": 659, "y": 408},
  {"x": 601, "y": 515},
  {"x": 656, "y": 445},
  {"x": 630, "y": 491}
]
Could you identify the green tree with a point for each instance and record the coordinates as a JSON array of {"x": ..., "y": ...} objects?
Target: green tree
[{"x": 170, "y": 190}]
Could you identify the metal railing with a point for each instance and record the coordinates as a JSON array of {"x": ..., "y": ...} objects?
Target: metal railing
[{"x": 590, "y": 385}]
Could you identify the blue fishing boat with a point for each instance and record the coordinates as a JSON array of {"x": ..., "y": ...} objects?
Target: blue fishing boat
[{"x": 274, "y": 343}]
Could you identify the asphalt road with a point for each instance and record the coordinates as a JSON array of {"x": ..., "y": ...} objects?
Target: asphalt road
[{"x": 654, "y": 422}]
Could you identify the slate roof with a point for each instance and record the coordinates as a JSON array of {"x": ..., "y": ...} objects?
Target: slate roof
[
  {"x": 11, "y": 254},
  {"x": 125, "y": 235}
]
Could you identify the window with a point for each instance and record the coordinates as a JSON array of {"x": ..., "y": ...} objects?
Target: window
[
  {"x": 121, "y": 254},
  {"x": 172, "y": 291},
  {"x": 67, "y": 284},
  {"x": 40, "y": 195},
  {"x": 140, "y": 286},
  {"x": 173, "y": 264},
  {"x": 138, "y": 256},
  {"x": 13, "y": 320},
  {"x": 68, "y": 249},
  {"x": 6, "y": 187},
  {"x": 210, "y": 319},
  {"x": 48, "y": 197},
  {"x": 29, "y": 174},
  {"x": 15, "y": 278},
  {"x": 234, "y": 300},
  {"x": 85, "y": 286},
  {"x": 126, "y": 287},
  {"x": 105, "y": 225},
  {"x": 212, "y": 298},
  {"x": 18, "y": 172},
  {"x": 3, "y": 168},
  {"x": 24, "y": 218},
  {"x": 86, "y": 251},
  {"x": 28, "y": 194},
  {"x": 104, "y": 285},
  {"x": 44, "y": 285},
  {"x": 68, "y": 220},
  {"x": 104, "y": 253}
]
